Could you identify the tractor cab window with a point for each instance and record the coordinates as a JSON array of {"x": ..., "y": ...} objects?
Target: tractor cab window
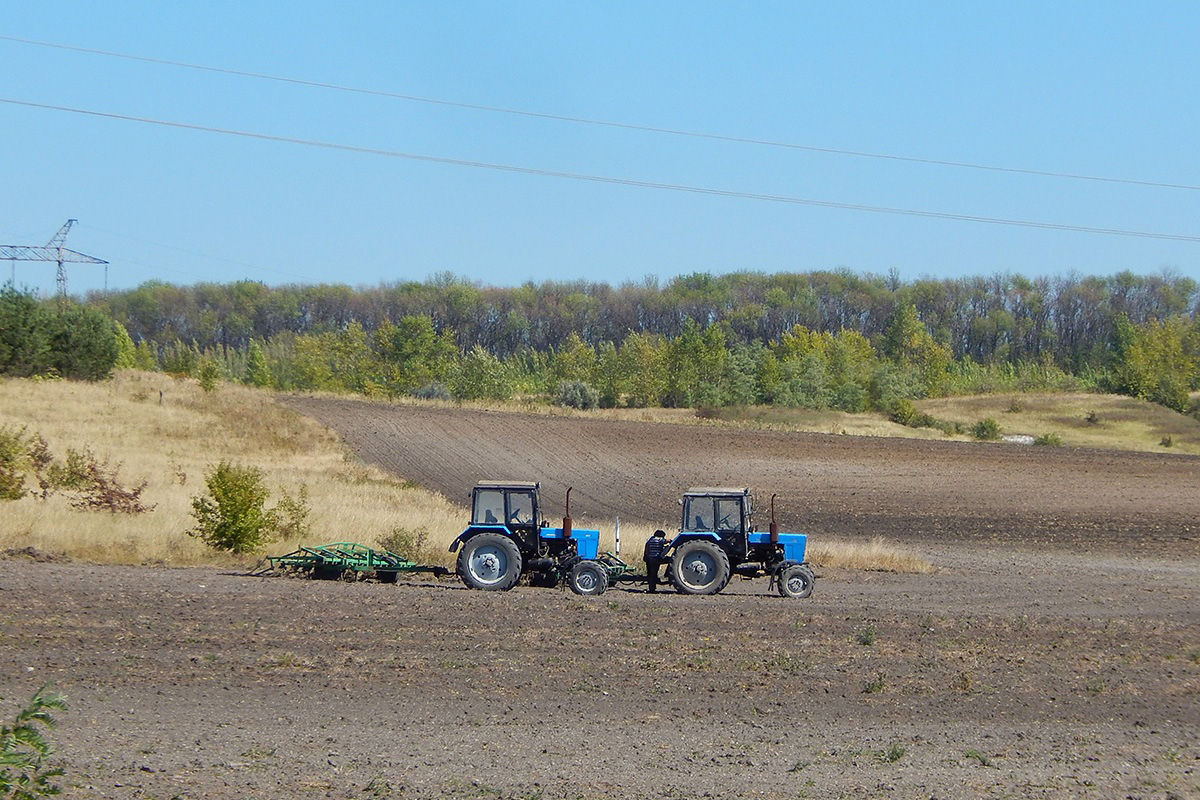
[
  {"x": 729, "y": 515},
  {"x": 698, "y": 514},
  {"x": 489, "y": 507},
  {"x": 520, "y": 508}
]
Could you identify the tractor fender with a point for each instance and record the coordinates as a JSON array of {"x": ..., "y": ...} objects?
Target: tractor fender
[
  {"x": 782, "y": 565},
  {"x": 474, "y": 530},
  {"x": 691, "y": 535}
]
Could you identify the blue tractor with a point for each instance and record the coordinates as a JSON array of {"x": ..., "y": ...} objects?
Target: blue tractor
[
  {"x": 508, "y": 538},
  {"x": 717, "y": 541}
]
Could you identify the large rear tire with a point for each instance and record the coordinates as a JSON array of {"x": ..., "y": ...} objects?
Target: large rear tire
[
  {"x": 699, "y": 567},
  {"x": 489, "y": 561},
  {"x": 588, "y": 578},
  {"x": 795, "y": 581}
]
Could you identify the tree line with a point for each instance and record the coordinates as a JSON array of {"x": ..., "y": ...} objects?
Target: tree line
[{"x": 820, "y": 340}]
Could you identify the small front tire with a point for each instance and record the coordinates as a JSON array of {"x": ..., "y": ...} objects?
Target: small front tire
[
  {"x": 795, "y": 581},
  {"x": 588, "y": 578}
]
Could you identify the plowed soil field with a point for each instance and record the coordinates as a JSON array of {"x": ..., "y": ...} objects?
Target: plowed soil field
[{"x": 1056, "y": 652}]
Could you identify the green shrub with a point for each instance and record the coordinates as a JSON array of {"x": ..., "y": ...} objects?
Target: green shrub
[
  {"x": 432, "y": 391},
  {"x": 291, "y": 515},
  {"x": 14, "y": 461},
  {"x": 1166, "y": 441},
  {"x": 1049, "y": 440},
  {"x": 577, "y": 394},
  {"x": 986, "y": 430},
  {"x": 24, "y": 750},
  {"x": 903, "y": 412},
  {"x": 233, "y": 515},
  {"x": 209, "y": 374}
]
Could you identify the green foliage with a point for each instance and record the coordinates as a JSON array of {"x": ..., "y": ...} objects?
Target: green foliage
[
  {"x": 232, "y": 515},
  {"x": 577, "y": 394},
  {"x": 84, "y": 343},
  {"x": 126, "y": 349},
  {"x": 867, "y": 635},
  {"x": 1158, "y": 361},
  {"x": 24, "y": 750},
  {"x": 25, "y": 335},
  {"x": 481, "y": 376},
  {"x": 258, "y": 372},
  {"x": 1048, "y": 440},
  {"x": 986, "y": 430},
  {"x": 14, "y": 462},
  {"x": 291, "y": 515},
  {"x": 208, "y": 374}
]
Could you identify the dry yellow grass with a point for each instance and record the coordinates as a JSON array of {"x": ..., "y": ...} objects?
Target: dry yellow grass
[
  {"x": 1081, "y": 420},
  {"x": 169, "y": 433},
  {"x": 172, "y": 444},
  {"x": 877, "y": 555}
]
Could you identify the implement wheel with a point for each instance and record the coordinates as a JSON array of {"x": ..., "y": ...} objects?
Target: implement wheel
[
  {"x": 699, "y": 567},
  {"x": 795, "y": 581},
  {"x": 588, "y": 578},
  {"x": 490, "y": 562}
]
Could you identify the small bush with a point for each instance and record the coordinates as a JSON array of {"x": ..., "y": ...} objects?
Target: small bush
[
  {"x": 404, "y": 542},
  {"x": 893, "y": 753},
  {"x": 291, "y": 515},
  {"x": 233, "y": 515},
  {"x": 903, "y": 412},
  {"x": 1015, "y": 406},
  {"x": 1166, "y": 441},
  {"x": 874, "y": 686},
  {"x": 101, "y": 489},
  {"x": 1049, "y": 440},
  {"x": 866, "y": 637},
  {"x": 24, "y": 750},
  {"x": 1092, "y": 417},
  {"x": 577, "y": 394},
  {"x": 209, "y": 374},
  {"x": 432, "y": 391},
  {"x": 14, "y": 461},
  {"x": 986, "y": 430}
]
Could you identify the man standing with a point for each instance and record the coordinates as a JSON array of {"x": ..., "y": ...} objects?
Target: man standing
[{"x": 653, "y": 555}]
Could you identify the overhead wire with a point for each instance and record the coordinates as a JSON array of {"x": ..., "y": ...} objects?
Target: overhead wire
[
  {"x": 609, "y": 123},
  {"x": 611, "y": 180}
]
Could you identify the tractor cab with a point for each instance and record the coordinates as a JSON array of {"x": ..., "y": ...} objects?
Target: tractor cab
[
  {"x": 717, "y": 541},
  {"x": 507, "y": 538},
  {"x": 719, "y": 514},
  {"x": 513, "y": 506}
]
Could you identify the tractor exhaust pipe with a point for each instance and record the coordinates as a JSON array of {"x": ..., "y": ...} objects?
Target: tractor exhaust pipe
[
  {"x": 566, "y": 528},
  {"x": 774, "y": 527}
]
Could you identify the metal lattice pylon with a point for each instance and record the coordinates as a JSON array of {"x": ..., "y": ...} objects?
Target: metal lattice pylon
[{"x": 54, "y": 251}]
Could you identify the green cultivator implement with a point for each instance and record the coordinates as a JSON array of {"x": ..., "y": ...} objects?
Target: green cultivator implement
[{"x": 334, "y": 561}]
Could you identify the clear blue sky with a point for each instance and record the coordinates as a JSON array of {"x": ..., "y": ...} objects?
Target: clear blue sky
[{"x": 1094, "y": 88}]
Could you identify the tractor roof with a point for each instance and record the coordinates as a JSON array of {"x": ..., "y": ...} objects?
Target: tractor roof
[
  {"x": 719, "y": 491},
  {"x": 507, "y": 485}
]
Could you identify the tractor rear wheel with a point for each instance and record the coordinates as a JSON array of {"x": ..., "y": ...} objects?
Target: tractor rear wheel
[
  {"x": 796, "y": 581},
  {"x": 588, "y": 578},
  {"x": 489, "y": 561},
  {"x": 699, "y": 567}
]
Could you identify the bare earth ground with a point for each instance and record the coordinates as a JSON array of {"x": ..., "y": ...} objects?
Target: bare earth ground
[{"x": 1056, "y": 653}]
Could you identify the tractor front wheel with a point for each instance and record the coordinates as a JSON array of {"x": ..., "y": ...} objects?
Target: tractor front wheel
[
  {"x": 699, "y": 567},
  {"x": 588, "y": 578},
  {"x": 489, "y": 561},
  {"x": 796, "y": 581}
]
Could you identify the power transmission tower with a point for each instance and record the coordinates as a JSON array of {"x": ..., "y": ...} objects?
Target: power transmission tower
[{"x": 54, "y": 251}]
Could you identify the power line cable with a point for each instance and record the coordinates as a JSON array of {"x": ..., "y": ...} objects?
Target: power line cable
[
  {"x": 616, "y": 181},
  {"x": 197, "y": 254},
  {"x": 608, "y": 123}
]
